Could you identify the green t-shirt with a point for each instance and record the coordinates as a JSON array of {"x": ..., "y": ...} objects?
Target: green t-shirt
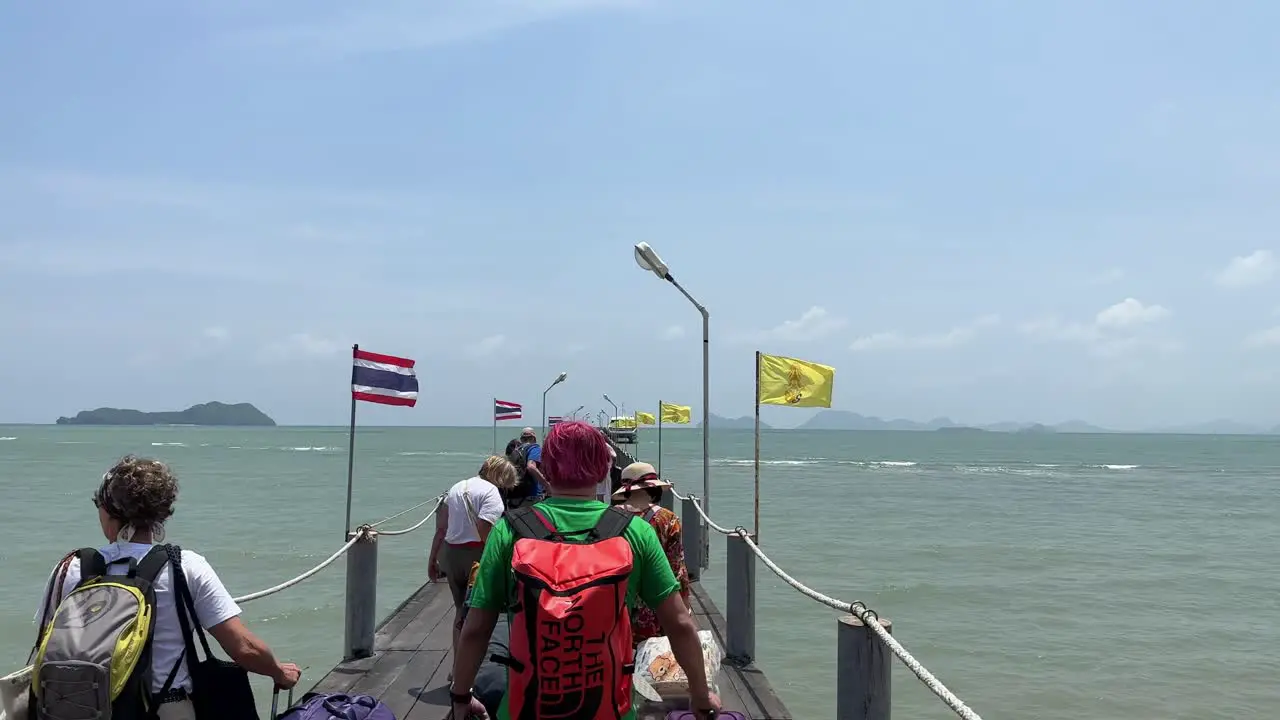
[{"x": 652, "y": 580}]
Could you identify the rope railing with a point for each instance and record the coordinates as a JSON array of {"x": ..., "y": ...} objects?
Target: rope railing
[
  {"x": 362, "y": 533},
  {"x": 858, "y": 609}
]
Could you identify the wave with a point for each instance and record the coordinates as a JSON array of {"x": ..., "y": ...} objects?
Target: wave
[
  {"x": 168, "y": 444},
  {"x": 1009, "y": 468},
  {"x": 440, "y": 452},
  {"x": 1116, "y": 467},
  {"x": 8, "y": 438},
  {"x": 323, "y": 448}
]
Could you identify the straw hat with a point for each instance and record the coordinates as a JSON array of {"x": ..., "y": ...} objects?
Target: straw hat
[{"x": 638, "y": 476}]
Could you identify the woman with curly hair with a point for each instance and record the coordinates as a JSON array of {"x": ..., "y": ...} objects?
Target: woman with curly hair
[{"x": 134, "y": 500}]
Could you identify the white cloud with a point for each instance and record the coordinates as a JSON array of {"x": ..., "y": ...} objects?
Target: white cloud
[
  {"x": 814, "y": 324},
  {"x": 1263, "y": 338},
  {"x": 1129, "y": 312},
  {"x": 1115, "y": 330},
  {"x": 674, "y": 332},
  {"x": 1247, "y": 270},
  {"x": 297, "y": 346},
  {"x": 487, "y": 346},
  {"x": 406, "y": 26},
  {"x": 217, "y": 334},
  {"x": 958, "y": 335}
]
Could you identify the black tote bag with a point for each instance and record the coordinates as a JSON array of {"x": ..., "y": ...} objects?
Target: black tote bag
[{"x": 220, "y": 689}]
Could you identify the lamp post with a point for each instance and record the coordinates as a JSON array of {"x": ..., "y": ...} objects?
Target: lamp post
[
  {"x": 559, "y": 379},
  {"x": 574, "y": 415},
  {"x": 647, "y": 259},
  {"x": 614, "y": 404}
]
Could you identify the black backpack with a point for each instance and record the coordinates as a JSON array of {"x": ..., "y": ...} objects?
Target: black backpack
[{"x": 520, "y": 458}]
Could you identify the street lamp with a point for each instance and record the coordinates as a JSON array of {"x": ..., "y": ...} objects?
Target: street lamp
[
  {"x": 614, "y": 404},
  {"x": 559, "y": 379},
  {"x": 574, "y": 414},
  {"x": 647, "y": 259}
]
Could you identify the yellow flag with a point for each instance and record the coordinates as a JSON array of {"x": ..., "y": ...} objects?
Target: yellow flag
[
  {"x": 677, "y": 414},
  {"x": 798, "y": 383},
  {"x": 645, "y": 418}
]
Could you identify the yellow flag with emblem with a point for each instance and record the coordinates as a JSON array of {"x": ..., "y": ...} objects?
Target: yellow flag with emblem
[
  {"x": 798, "y": 383},
  {"x": 645, "y": 418},
  {"x": 676, "y": 414}
]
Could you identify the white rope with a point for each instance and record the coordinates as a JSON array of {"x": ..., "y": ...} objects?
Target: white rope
[
  {"x": 290, "y": 583},
  {"x": 439, "y": 501},
  {"x": 406, "y": 512},
  {"x": 859, "y": 610},
  {"x": 362, "y": 533}
]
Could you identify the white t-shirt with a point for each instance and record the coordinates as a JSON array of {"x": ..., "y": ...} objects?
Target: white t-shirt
[
  {"x": 485, "y": 499},
  {"x": 213, "y": 605}
]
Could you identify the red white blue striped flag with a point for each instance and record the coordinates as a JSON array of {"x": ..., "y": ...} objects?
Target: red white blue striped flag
[
  {"x": 503, "y": 410},
  {"x": 384, "y": 379}
]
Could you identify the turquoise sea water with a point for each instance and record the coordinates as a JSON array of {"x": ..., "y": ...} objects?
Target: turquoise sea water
[{"x": 1053, "y": 577}]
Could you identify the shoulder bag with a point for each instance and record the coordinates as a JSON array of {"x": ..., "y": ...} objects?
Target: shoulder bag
[{"x": 220, "y": 689}]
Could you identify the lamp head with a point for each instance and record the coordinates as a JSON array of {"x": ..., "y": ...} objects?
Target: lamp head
[{"x": 647, "y": 259}]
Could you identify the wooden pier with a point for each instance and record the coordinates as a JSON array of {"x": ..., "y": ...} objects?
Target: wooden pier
[{"x": 411, "y": 660}]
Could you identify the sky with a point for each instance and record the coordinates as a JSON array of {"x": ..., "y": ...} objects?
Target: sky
[{"x": 1031, "y": 211}]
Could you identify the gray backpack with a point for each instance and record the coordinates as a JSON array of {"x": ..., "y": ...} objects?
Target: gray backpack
[{"x": 94, "y": 657}]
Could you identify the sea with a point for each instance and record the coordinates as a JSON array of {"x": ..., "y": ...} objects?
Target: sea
[{"x": 1054, "y": 577}]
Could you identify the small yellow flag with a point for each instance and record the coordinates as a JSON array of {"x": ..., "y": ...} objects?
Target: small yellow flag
[
  {"x": 798, "y": 383},
  {"x": 677, "y": 414},
  {"x": 645, "y": 418}
]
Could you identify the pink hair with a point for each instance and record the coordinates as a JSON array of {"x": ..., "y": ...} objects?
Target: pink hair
[{"x": 575, "y": 455}]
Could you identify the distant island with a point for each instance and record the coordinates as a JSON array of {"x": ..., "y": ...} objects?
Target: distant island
[
  {"x": 212, "y": 413},
  {"x": 743, "y": 423},
  {"x": 845, "y": 420}
]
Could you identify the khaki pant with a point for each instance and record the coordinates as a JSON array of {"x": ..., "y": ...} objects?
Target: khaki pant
[
  {"x": 182, "y": 710},
  {"x": 456, "y": 562}
]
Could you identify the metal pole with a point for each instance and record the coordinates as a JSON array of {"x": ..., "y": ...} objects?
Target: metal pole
[
  {"x": 757, "y": 456},
  {"x": 544, "y": 412},
  {"x": 351, "y": 446},
  {"x": 706, "y": 401},
  {"x": 495, "y": 426}
]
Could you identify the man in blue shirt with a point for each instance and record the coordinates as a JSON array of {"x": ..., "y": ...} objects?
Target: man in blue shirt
[{"x": 527, "y": 457}]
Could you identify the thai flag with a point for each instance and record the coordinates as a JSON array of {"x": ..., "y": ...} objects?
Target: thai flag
[
  {"x": 552, "y": 420},
  {"x": 384, "y": 379},
  {"x": 503, "y": 410}
]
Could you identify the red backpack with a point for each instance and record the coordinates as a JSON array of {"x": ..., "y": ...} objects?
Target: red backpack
[{"x": 571, "y": 651}]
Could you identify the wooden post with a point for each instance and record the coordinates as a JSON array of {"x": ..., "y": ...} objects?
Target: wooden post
[
  {"x": 362, "y": 597},
  {"x": 691, "y": 530},
  {"x": 668, "y": 500},
  {"x": 740, "y": 601},
  {"x": 863, "y": 664}
]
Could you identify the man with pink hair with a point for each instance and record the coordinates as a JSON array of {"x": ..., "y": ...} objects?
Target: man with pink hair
[{"x": 562, "y": 655}]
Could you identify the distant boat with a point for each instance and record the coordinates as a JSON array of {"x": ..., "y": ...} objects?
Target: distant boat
[{"x": 623, "y": 430}]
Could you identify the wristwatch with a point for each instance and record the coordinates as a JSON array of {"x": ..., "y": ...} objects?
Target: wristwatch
[{"x": 462, "y": 699}]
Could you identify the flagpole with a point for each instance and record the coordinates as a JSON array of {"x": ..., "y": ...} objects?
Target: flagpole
[
  {"x": 351, "y": 450},
  {"x": 659, "y": 438},
  {"x": 757, "y": 460},
  {"x": 495, "y": 426}
]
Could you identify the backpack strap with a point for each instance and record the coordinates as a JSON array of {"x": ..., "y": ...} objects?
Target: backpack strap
[
  {"x": 153, "y": 563},
  {"x": 613, "y": 522},
  {"x": 92, "y": 564},
  {"x": 525, "y": 522}
]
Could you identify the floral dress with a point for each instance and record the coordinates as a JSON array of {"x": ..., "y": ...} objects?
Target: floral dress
[{"x": 644, "y": 621}]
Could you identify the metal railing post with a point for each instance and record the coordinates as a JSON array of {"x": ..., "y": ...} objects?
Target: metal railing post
[
  {"x": 668, "y": 500},
  {"x": 740, "y": 601},
  {"x": 863, "y": 664},
  {"x": 362, "y": 596},
  {"x": 691, "y": 532}
]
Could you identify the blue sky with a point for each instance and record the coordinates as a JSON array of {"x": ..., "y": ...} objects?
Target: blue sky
[{"x": 985, "y": 210}]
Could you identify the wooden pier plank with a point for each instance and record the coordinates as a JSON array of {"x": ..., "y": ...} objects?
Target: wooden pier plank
[{"x": 411, "y": 663}]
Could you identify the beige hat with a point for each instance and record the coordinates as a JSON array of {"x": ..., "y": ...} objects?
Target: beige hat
[{"x": 638, "y": 476}]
